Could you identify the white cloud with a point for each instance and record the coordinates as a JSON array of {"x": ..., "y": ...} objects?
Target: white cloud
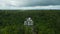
[
  {"x": 28, "y": 2},
  {"x": 41, "y": 7},
  {"x": 20, "y": 4},
  {"x": 33, "y": 8},
  {"x": 13, "y": 2}
]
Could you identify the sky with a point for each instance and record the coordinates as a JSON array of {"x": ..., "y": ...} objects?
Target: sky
[{"x": 29, "y": 4}]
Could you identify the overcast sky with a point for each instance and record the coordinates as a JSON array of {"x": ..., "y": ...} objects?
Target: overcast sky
[{"x": 35, "y": 4}]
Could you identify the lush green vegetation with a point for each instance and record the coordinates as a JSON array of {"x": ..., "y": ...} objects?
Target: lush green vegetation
[{"x": 45, "y": 21}]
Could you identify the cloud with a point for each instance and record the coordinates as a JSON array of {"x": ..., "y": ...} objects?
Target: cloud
[
  {"x": 42, "y": 7},
  {"x": 13, "y": 3},
  {"x": 57, "y": 7},
  {"x": 29, "y": 4}
]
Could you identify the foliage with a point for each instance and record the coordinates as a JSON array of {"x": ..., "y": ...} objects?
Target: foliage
[{"x": 45, "y": 21}]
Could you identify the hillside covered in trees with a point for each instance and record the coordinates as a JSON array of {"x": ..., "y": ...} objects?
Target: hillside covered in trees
[{"x": 45, "y": 21}]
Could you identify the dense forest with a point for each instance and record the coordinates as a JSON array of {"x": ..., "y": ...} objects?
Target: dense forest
[{"x": 45, "y": 21}]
